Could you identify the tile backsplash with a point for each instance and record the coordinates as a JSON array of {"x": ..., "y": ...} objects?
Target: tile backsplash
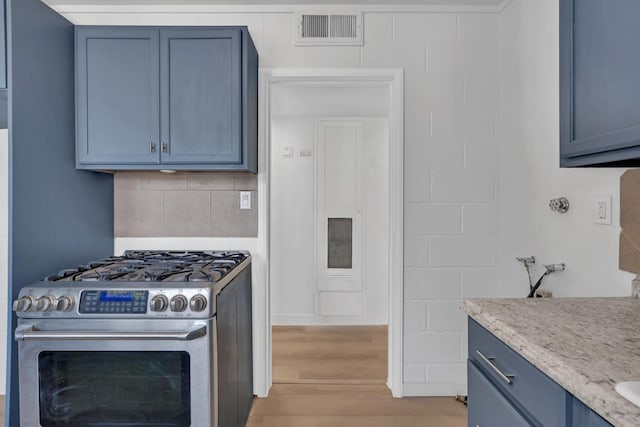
[{"x": 184, "y": 204}]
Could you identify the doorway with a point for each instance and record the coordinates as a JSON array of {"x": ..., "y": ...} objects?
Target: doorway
[{"x": 332, "y": 164}]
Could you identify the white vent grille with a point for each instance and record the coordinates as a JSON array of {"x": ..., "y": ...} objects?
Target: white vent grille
[
  {"x": 344, "y": 26},
  {"x": 328, "y": 29},
  {"x": 315, "y": 26}
]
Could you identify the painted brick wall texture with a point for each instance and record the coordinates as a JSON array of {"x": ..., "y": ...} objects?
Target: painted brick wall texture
[{"x": 451, "y": 64}]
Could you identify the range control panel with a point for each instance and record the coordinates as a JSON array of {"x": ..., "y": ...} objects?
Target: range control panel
[
  {"x": 114, "y": 302},
  {"x": 168, "y": 302}
]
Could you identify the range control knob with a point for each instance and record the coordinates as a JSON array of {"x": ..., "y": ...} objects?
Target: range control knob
[
  {"x": 24, "y": 303},
  {"x": 198, "y": 303},
  {"x": 45, "y": 303},
  {"x": 158, "y": 303},
  {"x": 64, "y": 303},
  {"x": 178, "y": 303}
]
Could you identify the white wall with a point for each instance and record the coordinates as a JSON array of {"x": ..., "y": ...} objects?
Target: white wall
[
  {"x": 481, "y": 163},
  {"x": 529, "y": 141},
  {"x": 293, "y": 192},
  {"x": 451, "y": 146}
]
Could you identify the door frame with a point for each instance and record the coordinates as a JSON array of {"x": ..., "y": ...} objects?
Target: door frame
[{"x": 393, "y": 79}]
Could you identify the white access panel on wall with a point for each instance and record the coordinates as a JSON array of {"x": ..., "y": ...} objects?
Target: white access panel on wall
[
  {"x": 339, "y": 219},
  {"x": 299, "y": 297}
]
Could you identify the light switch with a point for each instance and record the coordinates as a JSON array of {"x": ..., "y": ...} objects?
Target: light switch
[
  {"x": 245, "y": 200},
  {"x": 287, "y": 151}
]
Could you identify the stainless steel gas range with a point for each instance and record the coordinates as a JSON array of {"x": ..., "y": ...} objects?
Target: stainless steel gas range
[{"x": 151, "y": 338}]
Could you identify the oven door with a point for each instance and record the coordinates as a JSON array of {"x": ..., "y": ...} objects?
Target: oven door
[{"x": 133, "y": 373}]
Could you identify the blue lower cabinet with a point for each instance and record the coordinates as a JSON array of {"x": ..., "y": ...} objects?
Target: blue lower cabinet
[
  {"x": 487, "y": 406},
  {"x": 505, "y": 390},
  {"x": 538, "y": 397},
  {"x": 585, "y": 417}
]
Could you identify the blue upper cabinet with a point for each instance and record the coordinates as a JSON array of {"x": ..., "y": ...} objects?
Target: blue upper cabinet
[
  {"x": 117, "y": 79},
  {"x": 599, "y": 83},
  {"x": 200, "y": 74},
  {"x": 4, "y": 104},
  {"x": 3, "y": 45},
  {"x": 182, "y": 98}
]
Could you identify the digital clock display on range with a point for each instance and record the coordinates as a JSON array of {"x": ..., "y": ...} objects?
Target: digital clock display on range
[
  {"x": 113, "y": 302},
  {"x": 116, "y": 296}
]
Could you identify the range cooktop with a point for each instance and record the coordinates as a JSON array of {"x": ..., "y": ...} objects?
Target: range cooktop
[
  {"x": 138, "y": 284},
  {"x": 155, "y": 266}
]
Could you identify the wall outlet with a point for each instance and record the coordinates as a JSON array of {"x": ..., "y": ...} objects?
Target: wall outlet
[
  {"x": 245, "y": 200},
  {"x": 602, "y": 210}
]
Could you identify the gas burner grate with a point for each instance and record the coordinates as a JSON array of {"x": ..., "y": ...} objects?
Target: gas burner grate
[{"x": 156, "y": 266}]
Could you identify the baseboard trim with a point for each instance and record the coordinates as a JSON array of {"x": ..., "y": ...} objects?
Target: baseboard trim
[
  {"x": 311, "y": 320},
  {"x": 434, "y": 389}
]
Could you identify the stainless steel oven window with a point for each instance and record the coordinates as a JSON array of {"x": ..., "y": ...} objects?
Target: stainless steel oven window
[{"x": 114, "y": 388}]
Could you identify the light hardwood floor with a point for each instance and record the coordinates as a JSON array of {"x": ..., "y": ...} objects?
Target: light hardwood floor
[
  {"x": 334, "y": 377},
  {"x": 346, "y": 405},
  {"x": 329, "y": 354}
]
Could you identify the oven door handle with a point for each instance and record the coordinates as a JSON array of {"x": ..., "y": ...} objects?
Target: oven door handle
[{"x": 24, "y": 333}]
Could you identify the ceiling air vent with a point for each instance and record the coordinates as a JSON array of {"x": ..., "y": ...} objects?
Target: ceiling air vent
[{"x": 325, "y": 29}]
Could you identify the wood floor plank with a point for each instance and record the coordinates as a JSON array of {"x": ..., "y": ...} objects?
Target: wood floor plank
[
  {"x": 397, "y": 421},
  {"x": 329, "y": 354},
  {"x": 317, "y": 405},
  {"x": 327, "y": 376}
]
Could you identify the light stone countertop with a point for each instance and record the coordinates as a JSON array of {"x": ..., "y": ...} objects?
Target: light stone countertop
[{"x": 586, "y": 345}]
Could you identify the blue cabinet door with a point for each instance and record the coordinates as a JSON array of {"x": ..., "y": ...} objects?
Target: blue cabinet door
[
  {"x": 583, "y": 416},
  {"x": 201, "y": 96},
  {"x": 117, "y": 94},
  {"x": 3, "y": 45},
  {"x": 599, "y": 82},
  {"x": 487, "y": 406}
]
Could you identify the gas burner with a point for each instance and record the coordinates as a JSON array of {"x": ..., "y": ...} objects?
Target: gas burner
[
  {"x": 156, "y": 266},
  {"x": 197, "y": 275}
]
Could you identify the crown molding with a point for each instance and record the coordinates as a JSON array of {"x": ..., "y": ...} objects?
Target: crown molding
[{"x": 77, "y": 9}]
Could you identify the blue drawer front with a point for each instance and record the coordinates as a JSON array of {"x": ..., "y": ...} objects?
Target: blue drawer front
[
  {"x": 487, "y": 407},
  {"x": 541, "y": 399}
]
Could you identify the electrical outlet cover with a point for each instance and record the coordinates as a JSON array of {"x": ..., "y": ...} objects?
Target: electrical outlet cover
[
  {"x": 245, "y": 200},
  {"x": 602, "y": 210}
]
